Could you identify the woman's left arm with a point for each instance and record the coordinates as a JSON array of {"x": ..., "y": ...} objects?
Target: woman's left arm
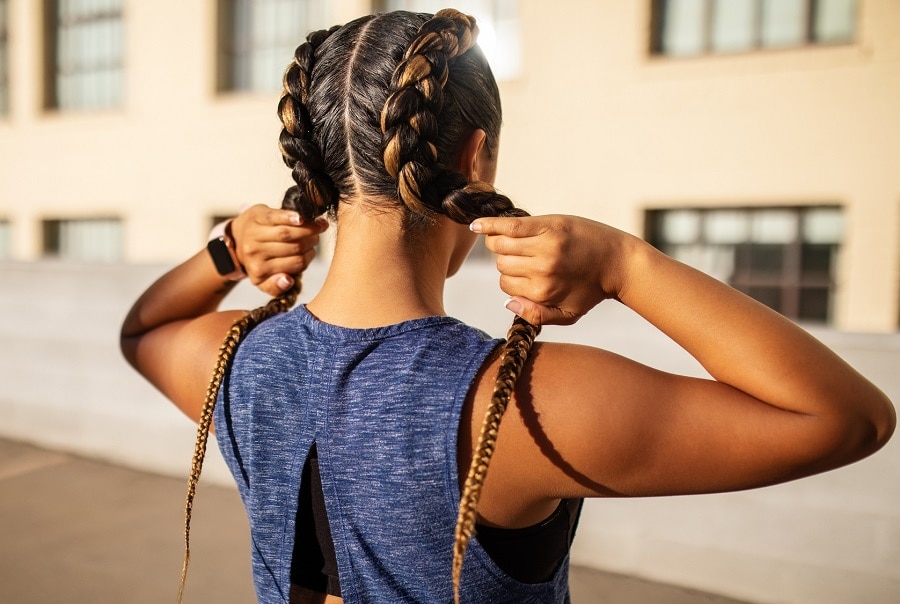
[{"x": 173, "y": 332}]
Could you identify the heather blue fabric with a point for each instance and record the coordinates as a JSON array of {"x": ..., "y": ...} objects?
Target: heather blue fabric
[{"x": 383, "y": 407}]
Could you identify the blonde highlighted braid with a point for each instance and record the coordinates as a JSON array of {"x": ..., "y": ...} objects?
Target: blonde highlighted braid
[
  {"x": 312, "y": 196},
  {"x": 409, "y": 126}
]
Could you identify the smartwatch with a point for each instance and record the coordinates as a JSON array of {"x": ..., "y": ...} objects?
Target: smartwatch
[{"x": 220, "y": 253}]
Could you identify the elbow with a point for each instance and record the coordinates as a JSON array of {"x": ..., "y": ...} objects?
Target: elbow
[
  {"x": 128, "y": 339},
  {"x": 880, "y": 420},
  {"x": 127, "y": 346},
  {"x": 864, "y": 431},
  {"x": 884, "y": 424}
]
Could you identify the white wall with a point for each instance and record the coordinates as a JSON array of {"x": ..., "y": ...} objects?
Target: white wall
[{"x": 833, "y": 538}]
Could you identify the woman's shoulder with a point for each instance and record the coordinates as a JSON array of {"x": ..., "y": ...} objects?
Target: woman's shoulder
[{"x": 560, "y": 367}]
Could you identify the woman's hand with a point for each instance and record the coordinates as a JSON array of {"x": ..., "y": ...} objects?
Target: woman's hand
[
  {"x": 556, "y": 268},
  {"x": 274, "y": 246}
]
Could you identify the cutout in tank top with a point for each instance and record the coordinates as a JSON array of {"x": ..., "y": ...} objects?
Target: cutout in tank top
[{"x": 529, "y": 555}]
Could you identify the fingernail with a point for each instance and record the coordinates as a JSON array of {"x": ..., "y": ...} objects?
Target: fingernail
[
  {"x": 284, "y": 283},
  {"x": 513, "y": 305},
  {"x": 475, "y": 227},
  {"x": 295, "y": 219}
]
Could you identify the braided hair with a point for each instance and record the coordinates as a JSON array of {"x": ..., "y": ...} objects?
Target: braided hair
[{"x": 374, "y": 110}]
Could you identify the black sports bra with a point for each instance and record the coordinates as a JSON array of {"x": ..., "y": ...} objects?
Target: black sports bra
[{"x": 529, "y": 555}]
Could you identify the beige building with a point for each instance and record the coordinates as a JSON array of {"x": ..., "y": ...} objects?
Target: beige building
[{"x": 757, "y": 139}]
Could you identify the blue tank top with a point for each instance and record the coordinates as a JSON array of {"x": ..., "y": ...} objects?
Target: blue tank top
[{"x": 382, "y": 406}]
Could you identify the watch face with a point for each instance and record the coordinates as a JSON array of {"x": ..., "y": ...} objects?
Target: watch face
[{"x": 221, "y": 256}]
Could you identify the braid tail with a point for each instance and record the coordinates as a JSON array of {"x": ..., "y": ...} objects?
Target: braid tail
[
  {"x": 515, "y": 352},
  {"x": 238, "y": 330}
]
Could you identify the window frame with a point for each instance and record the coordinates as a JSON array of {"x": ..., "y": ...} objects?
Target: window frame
[
  {"x": 52, "y": 244},
  {"x": 52, "y": 69},
  {"x": 230, "y": 52},
  {"x": 811, "y": 38}
]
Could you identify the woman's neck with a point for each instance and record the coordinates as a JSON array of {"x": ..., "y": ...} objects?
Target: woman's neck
[{"x": 379, "y": 274}]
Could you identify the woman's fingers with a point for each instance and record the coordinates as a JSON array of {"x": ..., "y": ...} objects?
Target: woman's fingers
[
  {"x": 260, "y": 269},
  {"x": 537, "y": 314},
  {"x": 555, "y": 263},
  {"x": 264, "y": 215},
  {"x": 274, "y": 245},
  {"x": 276, "y": 284},
  {"x": 516, "y": 228}
]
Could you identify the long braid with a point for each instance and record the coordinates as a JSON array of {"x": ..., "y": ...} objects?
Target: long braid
[
  {"x": 313, "y": 195},
  {"x": 226, "y": 352},
  {"x": 515, "y": 352},
  {"x": 409, "y": 126}
]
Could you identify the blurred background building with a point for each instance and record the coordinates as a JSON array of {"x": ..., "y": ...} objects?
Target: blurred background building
[{"x": 758, "y": 140}]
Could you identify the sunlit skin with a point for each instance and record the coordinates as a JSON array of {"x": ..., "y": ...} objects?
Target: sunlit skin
[{"x": 583, "y": 422}]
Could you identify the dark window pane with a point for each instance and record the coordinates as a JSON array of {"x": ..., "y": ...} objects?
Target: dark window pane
[
  {"x": 817, "y": 259},
  {"x": 766, "y": 258},
  {"x": 814, "y": 304},
  {"x": 742, "y": 259}
]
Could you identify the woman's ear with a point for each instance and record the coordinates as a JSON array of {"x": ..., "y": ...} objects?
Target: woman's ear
[{"x": 470, "y": 156}]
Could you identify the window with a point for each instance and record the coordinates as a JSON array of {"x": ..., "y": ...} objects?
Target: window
[
  {"x": 257, "y": 39},
  {"x": 784, "y": 257},
  {"x": 498, "y": 23},
  {"x": 692, "y": 27},
  {"x": 4, "y": 57},
  {"x": 84, "y": 54},
  {"x": 5, "y": 239},
  {"x": 84, "y": 239}
]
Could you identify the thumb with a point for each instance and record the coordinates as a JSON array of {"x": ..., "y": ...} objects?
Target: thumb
[
  {"x": 277, "y": 284},
  {"x": 537, "y": 314}
]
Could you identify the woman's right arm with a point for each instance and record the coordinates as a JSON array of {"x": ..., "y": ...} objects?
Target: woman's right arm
[{"x": 781, "y": 405}]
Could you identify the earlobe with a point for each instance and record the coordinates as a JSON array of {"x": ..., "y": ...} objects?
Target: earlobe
[{"x": 469, "y": 163}]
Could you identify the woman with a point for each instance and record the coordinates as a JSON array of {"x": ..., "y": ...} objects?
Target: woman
[{"x": 352, "y": 424}]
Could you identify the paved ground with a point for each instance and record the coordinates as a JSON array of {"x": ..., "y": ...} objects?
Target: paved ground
[{"x": 84, "y": 532}]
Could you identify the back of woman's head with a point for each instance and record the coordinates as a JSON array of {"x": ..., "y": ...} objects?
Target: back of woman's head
[{"x": 377, "y": 109}]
